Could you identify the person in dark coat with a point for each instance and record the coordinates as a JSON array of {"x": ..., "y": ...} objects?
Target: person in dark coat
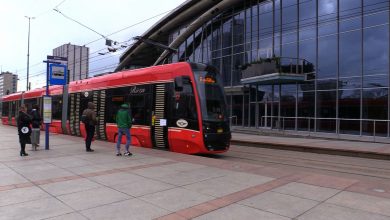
[
  {"x": 24, "y": 129},
  {"x": 36, "y": 125},
  {"x": 90, "y": 124}
]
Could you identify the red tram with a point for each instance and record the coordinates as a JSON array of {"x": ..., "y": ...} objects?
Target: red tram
[{"x": 179, "y": 107}]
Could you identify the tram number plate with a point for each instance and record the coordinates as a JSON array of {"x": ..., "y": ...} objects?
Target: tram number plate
[{"x": 219, "y": 130}]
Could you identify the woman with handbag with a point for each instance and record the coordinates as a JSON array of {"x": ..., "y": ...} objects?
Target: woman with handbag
[{"x": 24, "y": 129}]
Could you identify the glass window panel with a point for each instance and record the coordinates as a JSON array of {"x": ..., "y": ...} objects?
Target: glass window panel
[
  {"x": 326, "y": 104},
  {"x": 350, "y": 8},
  {"x": 275, "y": 94},
  {"x": 327, "y": 28},
  {"x": 237, "y": 109},
  {"x": 307, "y": 12},
  {"x": 265, "y": 20},
  {"x": 227, "y": 37},
  {"x": 238, "y": 60},
  {"x": 375, "y": 19},
  {"x": 252, "y": 93},
  {"x": 326, "y": 84},
  {"x": 350, "y": 54},
  {"x": 289, "y": 37},
  {"x": 327, "y": 9},
  {"x": 375, "y": 81},
  {"x": 248, "y": 29},
  {"x": 327, "y": 57},
  {"x": 349, "y": 126},
  {"x": 289, "y": 51},
  {"x": 375, "y": 103},
  {"x": 376, "y": 50},
  {"x": 289, "y": 15},
  {"x": 255, "y": 26},
  {"x": 306, "y": 102},
  {"x": 349, "y": 103},
  {"x": 307, "y": 51},
  {"x": 350, "y": 24},
  {"x": 350, "y": 83},
  {"x": 287, "y": 100},
  {"x": 370, "y": 6},
  {"x": 307, "y": 86},
  {"x": 246, "y": 109},
  {"x": 307, "y": 33},
  {"x": 238, "y": 33},
  {"x": 277, "y": 14},
  {"x": 226, "y": 70}
]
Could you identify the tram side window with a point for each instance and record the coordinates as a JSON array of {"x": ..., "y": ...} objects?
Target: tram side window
[
  {"x": 185, "y": 106},
  {"x": 13, "y": 109},
  {"x": 57, "y": 107},
  {"x": 113, "y": 105},
  {"x": 140, "y": 108},
  {"x": 5, "y": 109},
  {"x": 29, "y": 103},
  {"x": 84, "y": 99}
]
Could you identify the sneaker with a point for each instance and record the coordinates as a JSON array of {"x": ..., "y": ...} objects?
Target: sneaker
[
  {"x": 118, "y": 154},
  {"x": 128, "y": 154}
]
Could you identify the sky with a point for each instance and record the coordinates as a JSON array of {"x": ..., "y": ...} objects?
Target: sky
[{"x": 49, "y": 29}]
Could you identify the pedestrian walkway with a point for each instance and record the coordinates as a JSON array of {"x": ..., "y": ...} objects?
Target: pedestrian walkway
[
  {"x": 342, "y": 147},
  {"x": 66, "y": 182}
]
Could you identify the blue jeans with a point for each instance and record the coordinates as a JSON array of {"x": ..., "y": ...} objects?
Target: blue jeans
[{"x": 123, "y": 131}]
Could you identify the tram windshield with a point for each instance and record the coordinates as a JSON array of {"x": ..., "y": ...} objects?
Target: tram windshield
[{"x": 212, "y": 99}]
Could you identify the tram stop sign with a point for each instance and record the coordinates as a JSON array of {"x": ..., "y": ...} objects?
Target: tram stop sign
[{"x": 58, "y": 74}]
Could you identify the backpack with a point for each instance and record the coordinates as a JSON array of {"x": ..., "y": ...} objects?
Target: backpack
[{"x": 85, "y": 119}]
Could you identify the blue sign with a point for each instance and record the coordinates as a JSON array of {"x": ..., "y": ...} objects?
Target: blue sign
[{"x": 58, "y": 74}]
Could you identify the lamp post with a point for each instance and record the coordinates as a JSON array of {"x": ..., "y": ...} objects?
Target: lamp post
[{"x": 28, "y": 51}]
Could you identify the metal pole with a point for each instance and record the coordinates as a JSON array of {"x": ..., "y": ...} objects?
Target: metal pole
[
  {"x": 47, "y": 94},
  {"x": 28, "y": 52}
]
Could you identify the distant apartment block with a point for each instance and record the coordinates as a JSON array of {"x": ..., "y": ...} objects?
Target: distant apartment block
[
  {"x": 78, "y": 60},
  {"x": 8, "y": 83}
]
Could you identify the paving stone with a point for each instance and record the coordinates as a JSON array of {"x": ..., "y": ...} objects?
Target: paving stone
[
  {"x": 333, "y": 212},
  {"x": 37, "y": 209},
  {"x": 92, "y": 198},
  {"x": 142, "y": 187},
  {"x": 70, "y": 216},
  {"x": 307, "y": 191},
  {"x": 234, "y": 212},
  {"x": 281, "y": 204},
  {"x": 70, "y": 186},
  {"x": 363, "y": 202},
  {"x": 176, "y": 199},
  {"x": 20, "y": 195},
  {"x": 130, "y": 209}
]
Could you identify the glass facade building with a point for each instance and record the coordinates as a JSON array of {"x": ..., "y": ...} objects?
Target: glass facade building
[{"x": 346, "y": 41}]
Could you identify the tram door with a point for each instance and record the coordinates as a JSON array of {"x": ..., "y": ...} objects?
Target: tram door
[
  {"x": 99, "y": 99},
  {"x": 159, "y": 129},
  {"x": 74, "y": 117}
]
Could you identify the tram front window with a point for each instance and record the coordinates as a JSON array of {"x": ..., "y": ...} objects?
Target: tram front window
[{"x": 211, "y": 95}]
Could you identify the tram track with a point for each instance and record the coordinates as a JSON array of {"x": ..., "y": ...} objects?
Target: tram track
[{"x": 313, "y": 162}]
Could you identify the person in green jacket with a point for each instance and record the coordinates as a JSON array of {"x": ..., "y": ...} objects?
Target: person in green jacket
[{"x": 124, "y": 122}]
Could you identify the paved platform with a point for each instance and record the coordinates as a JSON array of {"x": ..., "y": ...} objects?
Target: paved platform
[{"x": 66, "y": 182}]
